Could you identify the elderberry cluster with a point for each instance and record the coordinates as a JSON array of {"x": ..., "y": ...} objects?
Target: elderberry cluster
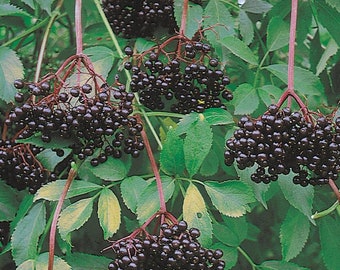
[
  {"x": 193, "y": 81},
  {"x": 20, "y": 169},
  {"x": 176, "y": 248},
  {"x": 281, "y": 141},
  {"x": 4, "y": 233},
  {"x": 93, "y": 120},
  {"x": 139, "y": 18}
]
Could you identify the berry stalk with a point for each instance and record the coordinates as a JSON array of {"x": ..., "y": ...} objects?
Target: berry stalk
[
  {"x": 291, "y": 54},
  {"x": 79, "y": 33}
]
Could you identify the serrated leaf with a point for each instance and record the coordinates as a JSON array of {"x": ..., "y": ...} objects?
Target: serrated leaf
[
  {"x": 217, "y": 16},
  {"x": 25, "y": 205},
  {"x": 231, "y": 198},
  {"x": 196, "y": 146},
  {"x": 193, "y": 19},
  {"x": 186, "y": 122},
  {"x": 143, "y": 44},
  {"x": 299, "y": 197},
  {"x": 131, "y": 189},
  {"x": 8, "y": 202},
  {"x": 52, "y": 191},
  {"x": 294, "y": 233},
  {"x": 280, "y": 265},
  {"x": 148, "y": 203},
  {"x": 26, "y": 234},
  {"x": 49, "y": 158},
  {"x": 196, "y": 214},
  {"x": 334, "y": 3},
  {"x": 111, "y": 170},
  {"x": 277, "y": 34},
  {"x": 329, "y": 18},
  {"x": 108, "y": 212},
  {"x": 210, "y": 164},
  {"x": 74, "y": 216},
  {"x": 172, "y": 155},
  {"x": 246, "y": 99},
  {"x": 27, "y": 265},
  {"x": 83, "y": 261},
  {"x": 58, "y": 263},
  {"x": 240, "y": 49},
  {"x": 329, "y": 231},
  {"x": 11, "y": 10},
  {"x": 305, "y": 81},
  {"x": 56, "y": 141},
  {"x": 331, "y": 49},
  {"x": 230, "y": 254},
  {"x": 102, "y": 59},
  {"x": 270, "y": 94},
  {"x": 217, "y": 116},
  {"x": 225, "y": 235},
  {"x": 11, "y": 69},
  {"x": 246, "y": 27},
  {"x": 256, "y": 6}
]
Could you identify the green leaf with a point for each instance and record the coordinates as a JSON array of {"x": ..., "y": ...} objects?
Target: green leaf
[
  {"x": 329, "y": 18},
  {"x": 245, "y": 99},
  {"x": 196, "y": 214},
  {"x": 294, "y": 233},
  {"x": 148, "y": 203},
  {"x": 56, "y": 142},
  {"x": 172, "y": 155},
  {"x": 305, "y": 81},
  {"x": 269, "y": 94},
  {"x": 231, "y": 198},
  {"x": 329, "y": 231},
  {"x": 83, "y": 261},
  {"x": 277, "y": 34},
  {"x": 280, "y": 265},
  {"x": 194, "y": 17},
  {"x": 226, "y": 235},
  {"x": 210, "y": 164},
  {"x": 246, "y": 27},
  {"x": 74, "y": 216},
  {"x": 131, "y": 188},
  {"x": 11, "y": 10},
  {"x": 25, "y": 205},
  {"x": 334, "y": 3},
  {"x": 240, "y": 49},
  {"x": 299, "y": 197},
  {"x": 230, "y": 254},
  {"x": 112, "y": 170},
  {"x": 256, "y": 6},
  {"x": 143, "y": 44},
  {"x": 108, "y": 212},
  {"x": 217, "y": 16},
  {"x": 27, "y": 265},
  {"x": 331, "y": 49},
  {"x": 102, "y": 59},
  {"x": 49, "y": 158},
  {"x": 42, "y": 263},
  {"x": 217, "y": 116},
  {"x": 45, "y": 5},
  {"x": 52, "y": 191},
  {"x": 11, "y": 69},
  {"x": 186, "y": 123},
  {"x": 196, "y": 146},
  {"x": 8, "y": 202},
  {"x": 26, "y": 234}
]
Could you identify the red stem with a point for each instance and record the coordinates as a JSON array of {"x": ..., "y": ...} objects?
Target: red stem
[
  {"x": 335, "y": 188},
  {"x": 79, "y": 34},
  {"x": 154, "y": 169},
  {"x": 292, "y": 35},
  {"x": 71, "y": 176},
  {"x": 183, "y": 24}
]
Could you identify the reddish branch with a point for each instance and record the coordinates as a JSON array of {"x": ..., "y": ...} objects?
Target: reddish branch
[{"x": 79, "y": 34}]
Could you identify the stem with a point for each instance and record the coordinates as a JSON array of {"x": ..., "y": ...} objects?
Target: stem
[
  {"x": 155, "y": 170},
  {"x": 247, "y": 257},
  {"x": 335, "y": 188},
  {"x": 72, "y": 174},
  {"x": 326, "y": 212},
  {"x": 184, "y": 17},
  {"x": 79, "y": 34},
  {"x": 292, "y": 35}
]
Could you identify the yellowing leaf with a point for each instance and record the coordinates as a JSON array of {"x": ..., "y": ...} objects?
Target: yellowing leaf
[
  {"x": 196, "y": 215},
  {"x": 42, "y": 263},
  {"x": 108, "y": 212},
  {"x": 231, "y": 198}
]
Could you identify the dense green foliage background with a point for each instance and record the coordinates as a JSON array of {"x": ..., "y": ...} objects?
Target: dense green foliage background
[{"x": 257, "y": 226}]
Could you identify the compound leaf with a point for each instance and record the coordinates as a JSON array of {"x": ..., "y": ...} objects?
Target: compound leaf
[{"x": 131, "y": 188}]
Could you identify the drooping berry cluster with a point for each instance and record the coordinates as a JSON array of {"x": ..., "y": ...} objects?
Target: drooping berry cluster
[
  {"x": 139, "y": 18},
  {"x": 92, "y": 119},
  {"x": 193, "y": 80},
  {"x": 281, "y": 141},
  {"x": 19, "y": 167},
  {"x": 176, "y": 248},
  {"x": 4, "y": 233}
]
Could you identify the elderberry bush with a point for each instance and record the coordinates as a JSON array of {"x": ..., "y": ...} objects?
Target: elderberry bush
[
  {"x": 191, "y": 82},
  {"x": 139, "y": 18},
  {"x": 282, "y": 141},
  {"x": 94, "y": 121},
  {"x": 176, "y": 248}
]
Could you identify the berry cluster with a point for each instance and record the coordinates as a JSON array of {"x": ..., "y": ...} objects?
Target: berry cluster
[
  {"x": 139, "y": 18},
  {"x": 193, "y": 79},
  {"x": 176, "y": 248},
  {"x": 4, "y": 233},
  {"x": 19, "y": 167},
  {"x": 281, "y": 141},
  {"x": 99, "y": 120}
]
